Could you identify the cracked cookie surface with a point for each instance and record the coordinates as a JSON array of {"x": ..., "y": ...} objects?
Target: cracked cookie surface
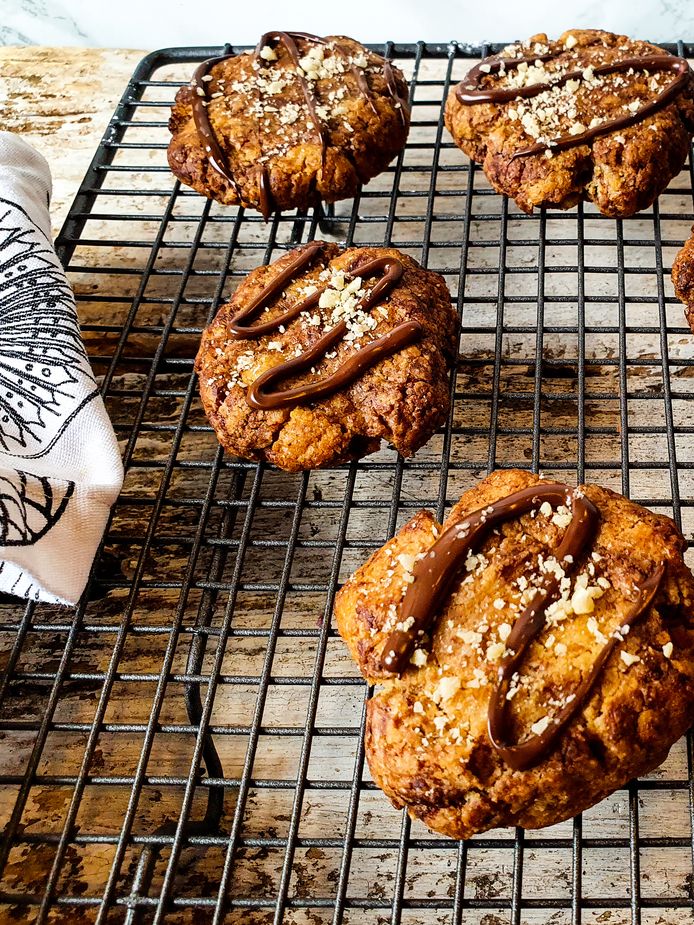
[
  {"x": 683, "y": 278},
  {"x": 298, "y": 120},
  {"x": 621, "y": 169},
  {"x": 427, "y": 738},
  {"x": 403, "y": 398}
]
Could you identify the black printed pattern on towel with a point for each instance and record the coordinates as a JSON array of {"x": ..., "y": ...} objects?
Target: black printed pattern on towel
[
  {"x": 29, "y": 506},
  {"x": 19, "y": 583},
  {"x": 43, "y": 365}
]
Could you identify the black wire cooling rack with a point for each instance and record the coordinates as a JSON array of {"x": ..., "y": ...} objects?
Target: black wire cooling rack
[{"x": 186, "y": 745}]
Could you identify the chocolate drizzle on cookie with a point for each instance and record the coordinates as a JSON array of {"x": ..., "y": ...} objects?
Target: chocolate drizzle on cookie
[
  {"x": 435, "y": 573},
  {"x": 358, "y": 74},
  {"x": 470, "y": 92},
  {"x": 201, "y": 100},
  {"x": 263, "y": 393},
  {"x": 265, "y": 203},
  {"x": 402, "y": 102},
  {"x": 286, "y": 39},
  {"x": 529, "y": 753}
]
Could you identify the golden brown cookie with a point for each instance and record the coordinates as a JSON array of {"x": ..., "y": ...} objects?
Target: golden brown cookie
[
  {"x": 324, "y": 353},
  {"x": 298, "y": 120},
  {"x": 592, "y": 115},
  {"x": 532, "y": 655},
  {"x": 683, "y": 279}
]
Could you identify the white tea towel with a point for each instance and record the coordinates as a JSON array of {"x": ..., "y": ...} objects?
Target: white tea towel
[{"x": 60, "y": 468}]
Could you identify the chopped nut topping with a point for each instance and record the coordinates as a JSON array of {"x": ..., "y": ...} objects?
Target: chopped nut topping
[
  {"x": 555, "y": 110},
  {"x": 495, "y": 651},
  {"x": 594, "y": 629},
  {"x": 289, "y": 113},
  {"x": 562, "y": 517},
  {"x": 406, "y": 560},
  {"x": 479, "y": 679},
  {"x": 471, "y": 638},
  {"x": 447, "y": 687},
  {"x": 583, "y": 597},
  {"x": 405, "y": 625},
  {"x": 504, "y": 631}
]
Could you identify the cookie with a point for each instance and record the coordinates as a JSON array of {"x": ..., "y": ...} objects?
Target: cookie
[
  {"x": 590, "y": 116},
  {"x": 533, "y": 654},
  {"x": 299, "y": 119},
  {"x": 324, "y": 353},
  {"x": 683, "y": 279}
]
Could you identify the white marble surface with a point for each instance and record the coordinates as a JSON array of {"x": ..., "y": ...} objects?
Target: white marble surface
[{"x": 159, "y": 23}]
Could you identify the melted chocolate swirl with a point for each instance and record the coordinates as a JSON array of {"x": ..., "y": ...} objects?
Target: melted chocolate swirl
[
  {"x": 435, "y": 573},
  {"x": 287, "y": 39},
  {"x": 470, "y": 92},
  {"x": 201, "y": 99},
  {"x": 263, "y": 393}
]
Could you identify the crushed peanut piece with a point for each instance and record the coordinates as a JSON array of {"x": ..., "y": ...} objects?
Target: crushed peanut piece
[{"x": 447, "y": 687}]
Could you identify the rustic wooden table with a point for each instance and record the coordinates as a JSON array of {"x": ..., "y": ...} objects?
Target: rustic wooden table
[{"x": 61, "y": 101}]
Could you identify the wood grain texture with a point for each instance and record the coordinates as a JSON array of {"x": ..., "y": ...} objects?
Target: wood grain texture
[{"x": 62, "y": 100}]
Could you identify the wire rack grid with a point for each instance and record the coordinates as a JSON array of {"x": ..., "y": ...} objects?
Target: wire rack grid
[{"x": 186, "y": 746}]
